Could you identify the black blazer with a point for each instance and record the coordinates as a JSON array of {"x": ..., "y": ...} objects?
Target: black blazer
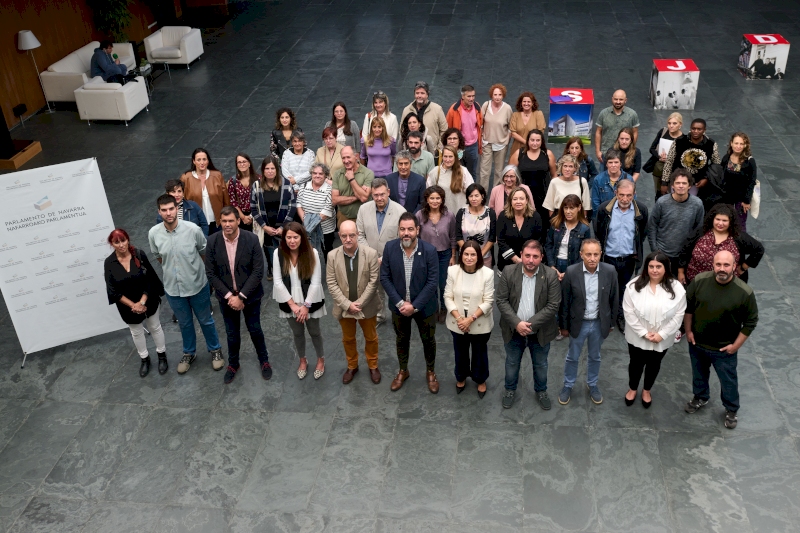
[
  {"x": 248, "y": 265},
  {"x": 573, "y": 300},
  {"x": 414, "y": 192}
]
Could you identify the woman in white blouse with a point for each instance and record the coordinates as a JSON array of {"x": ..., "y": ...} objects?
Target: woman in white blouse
[
  {"x": 654, "y": 305},
  {"x": 468, "y": 297},
  {"x": 380, "y": 108},
  {"x": 453, "y": 178},
  {"x": 297, "y": 287},
  {"x": 567, "y": 182},
  {"x": 296, "y": 163}
]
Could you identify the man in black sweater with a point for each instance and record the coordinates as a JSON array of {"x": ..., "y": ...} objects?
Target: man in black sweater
[{"x": 721, "y": 313}]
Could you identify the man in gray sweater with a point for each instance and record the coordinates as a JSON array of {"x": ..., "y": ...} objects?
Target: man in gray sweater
[{"x": 674, "y": 217}]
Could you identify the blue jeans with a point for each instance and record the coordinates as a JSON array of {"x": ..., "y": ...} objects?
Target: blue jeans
[
  {"x": 444, "y": 263},
  {"x": 561, "y": 265},
  {"x": 471, "y": 159},
  {"x": 252, "y": 320},
  {"x": 270, "y": 244},
  {"x": 200, "y": 305},
  {"x": 514, "y": 350},
  {"x": 590, "y": 329},
  {"x": 724, "y": 365}
]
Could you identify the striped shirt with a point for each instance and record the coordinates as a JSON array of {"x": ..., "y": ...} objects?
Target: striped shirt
[
  {"x": 527, "y": 300},
  {"x": 408, "y": 265},
  {"x": 318, "y": 201}
]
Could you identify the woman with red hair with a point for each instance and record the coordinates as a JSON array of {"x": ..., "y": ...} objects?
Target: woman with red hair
[{"x": 133, "y": 285}]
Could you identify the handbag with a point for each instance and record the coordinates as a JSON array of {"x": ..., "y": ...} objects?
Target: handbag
[
  {"x": 658, "y": 169},
  {"x": 755, "y": 201}
]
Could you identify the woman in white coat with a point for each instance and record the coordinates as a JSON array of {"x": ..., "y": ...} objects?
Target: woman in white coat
[
  {"x": 468, "y": 297},
  {"x": 654, "y": 305}
]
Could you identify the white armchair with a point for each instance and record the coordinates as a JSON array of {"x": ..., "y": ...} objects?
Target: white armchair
[
  {"x": 176, "y": 45},
  {"x": 73, "y": 71},
  {"x": 98, "y": 100}
]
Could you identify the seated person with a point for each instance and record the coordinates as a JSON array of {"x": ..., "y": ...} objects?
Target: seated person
[{"x": 105, "y": 66}]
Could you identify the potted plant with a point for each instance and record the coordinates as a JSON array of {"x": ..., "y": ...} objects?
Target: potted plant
[{"x": 111, "y": 17}]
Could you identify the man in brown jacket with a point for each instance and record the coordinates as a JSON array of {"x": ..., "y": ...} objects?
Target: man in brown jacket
[
  {"x": 430, "y": 113},
  {"x": 353, "y": 275}
]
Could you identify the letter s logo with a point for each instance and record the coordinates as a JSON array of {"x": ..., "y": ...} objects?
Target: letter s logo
[
  {"x": 575, "y": 95},
  {"x": 680, "y": 65},
  {"x": 765, "y": 39}
]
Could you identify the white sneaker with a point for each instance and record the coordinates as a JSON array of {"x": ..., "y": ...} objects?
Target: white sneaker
[{"x": 559, "y": 337}]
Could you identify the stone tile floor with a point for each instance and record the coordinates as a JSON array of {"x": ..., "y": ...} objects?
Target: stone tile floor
[{"x": 88, "y": 446}]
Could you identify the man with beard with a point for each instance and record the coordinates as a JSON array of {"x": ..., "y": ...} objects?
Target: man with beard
[
  {"x": 721, "y": 313},
  {"x": 610, "y": 122},
  {"x": 410, "y": 277},
  {"x": 422, "y": 161},
  {"x": 430, "y": 113},
  {"x": 406, "y": 185}
]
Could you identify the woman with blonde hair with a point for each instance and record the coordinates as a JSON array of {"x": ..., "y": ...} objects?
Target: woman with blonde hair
[
  {"x": 453, "y": 178},
  {"x": 518, "y": 223},
  {"x": 567, "y": 182},
  {"x": 298, "y": 291},
  {"x": 378, "y": 150},
  {"x": 380, "y": 108},
  {"x": 631, "y": 156},
  {"x": 658, "y": 149}
]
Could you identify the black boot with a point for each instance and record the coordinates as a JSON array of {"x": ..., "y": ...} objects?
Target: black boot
[
  {"x": 145, "y": 368},
  {"x": 163, "y": 366}
]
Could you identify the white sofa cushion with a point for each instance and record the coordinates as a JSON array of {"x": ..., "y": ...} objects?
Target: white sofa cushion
[
  {"x": 172, "y": 35},
  {"x": 71, "y": 63},
  {"x": 167, "y": 52}
]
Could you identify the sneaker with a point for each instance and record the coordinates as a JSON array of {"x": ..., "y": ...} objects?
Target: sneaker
[
  {"x": 678, "y": 336},
  {"x": 694, "y": 405},
  {"x": 217, "y": 361},
  {"x": 186, "y": 363},
  {"x": 230, "y": 373},
  {"x": 266, "y": 371},
  {"x": 544, "y": 400},
  {"x": 595, "y": 394},
  {"x": 559, "y": 337},
  {"x": 174, "y": 318},
  {"x": 508, "y": 399},
  {"x": 730, "y": 419},
  {"x": 563, "y": 396}
]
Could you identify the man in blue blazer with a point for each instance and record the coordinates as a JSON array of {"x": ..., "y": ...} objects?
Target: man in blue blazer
[
  {"x": 235, "y": 267},
  {"x": 410, "y": 276},
  {"x": 589, "y": 307},
  {"x": 405, "y": 187}
]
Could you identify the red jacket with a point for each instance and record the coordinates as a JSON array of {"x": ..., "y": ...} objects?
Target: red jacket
[{"x": 454, "y": 121}]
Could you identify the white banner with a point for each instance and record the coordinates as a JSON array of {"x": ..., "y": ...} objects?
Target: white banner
[{"x": 54, "y": 222}]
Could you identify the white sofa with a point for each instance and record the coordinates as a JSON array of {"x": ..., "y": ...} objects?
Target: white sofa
[
  {"x": 98, "y": 100},
  {"x": 174, "y": 45},
  {"x": 64, "y": 76}
]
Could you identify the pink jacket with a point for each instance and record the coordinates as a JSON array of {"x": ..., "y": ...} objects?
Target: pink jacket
[{"x": 497, "y": 201}]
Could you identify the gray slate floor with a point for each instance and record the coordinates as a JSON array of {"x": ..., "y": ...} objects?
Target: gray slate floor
[{"x": 88, "y": 446}]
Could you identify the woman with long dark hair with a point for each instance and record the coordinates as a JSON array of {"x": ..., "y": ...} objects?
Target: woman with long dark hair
[
  {"x": 536, "y": 166},
  {"x": 133, "y": 285},
  {"x": 568, "y": 228},
  {"x": 413, "y": 123},
  {"x": 740, "y": 176},
  {"x": 631, "y": 156},
  {"x": 347, "y": 132},
  {"x": 477, "y": 222},
  {"x": 273, "y": 202},
  {"x": 298, "y": 290},
  {"x": 204, "y": 185},
  {"x": 452, "y": 177},
  {"x": 285, "y": 124},
  {"x": 720, "y": 231},
  {"x": 437, "y": 226},
  {"x": 240, "y": 189},
  {"x": 654, "y": 305}
]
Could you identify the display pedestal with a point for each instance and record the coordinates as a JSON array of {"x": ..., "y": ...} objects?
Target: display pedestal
[
  {"x": 570, "y": 115},
  {"x": 25, "y": 150},
  {"x": 763, "y": 56},
  {"x": 673, "y": 84}
]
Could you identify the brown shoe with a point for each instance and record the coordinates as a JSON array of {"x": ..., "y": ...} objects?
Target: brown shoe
[
  {"x": 433, "y": 383},
  {"x": 375, "y": 374},
  {"x": 349, "y": 374},
  {"x": 402, "y": 375},
  {"x": 442, "y": 316}
]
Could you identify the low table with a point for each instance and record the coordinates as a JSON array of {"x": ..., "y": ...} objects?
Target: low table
[{"x": 147, "y": 73}]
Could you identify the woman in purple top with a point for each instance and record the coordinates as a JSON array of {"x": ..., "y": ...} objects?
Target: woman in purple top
[
  {"x": 438, "y": 227},
  {"x": 377, "y": 153}
]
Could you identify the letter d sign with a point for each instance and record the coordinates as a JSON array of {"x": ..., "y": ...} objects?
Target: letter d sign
[
  {"x": 575, "y": 95},
  {"x": 765, "y": 39}
]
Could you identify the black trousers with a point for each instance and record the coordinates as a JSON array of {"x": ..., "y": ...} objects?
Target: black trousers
[
  {"x": 476, "y": 367},
  {"x": 647, "y": 361},
  {"x": 427, "y": 332},
  {"x": 625, "y": 267}
]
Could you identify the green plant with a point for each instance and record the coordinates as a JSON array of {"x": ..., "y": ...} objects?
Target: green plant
[{"x": 111, "y": 17}]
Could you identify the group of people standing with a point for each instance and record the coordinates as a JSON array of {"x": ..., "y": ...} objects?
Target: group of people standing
[{"x": 419, "y": 204}]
